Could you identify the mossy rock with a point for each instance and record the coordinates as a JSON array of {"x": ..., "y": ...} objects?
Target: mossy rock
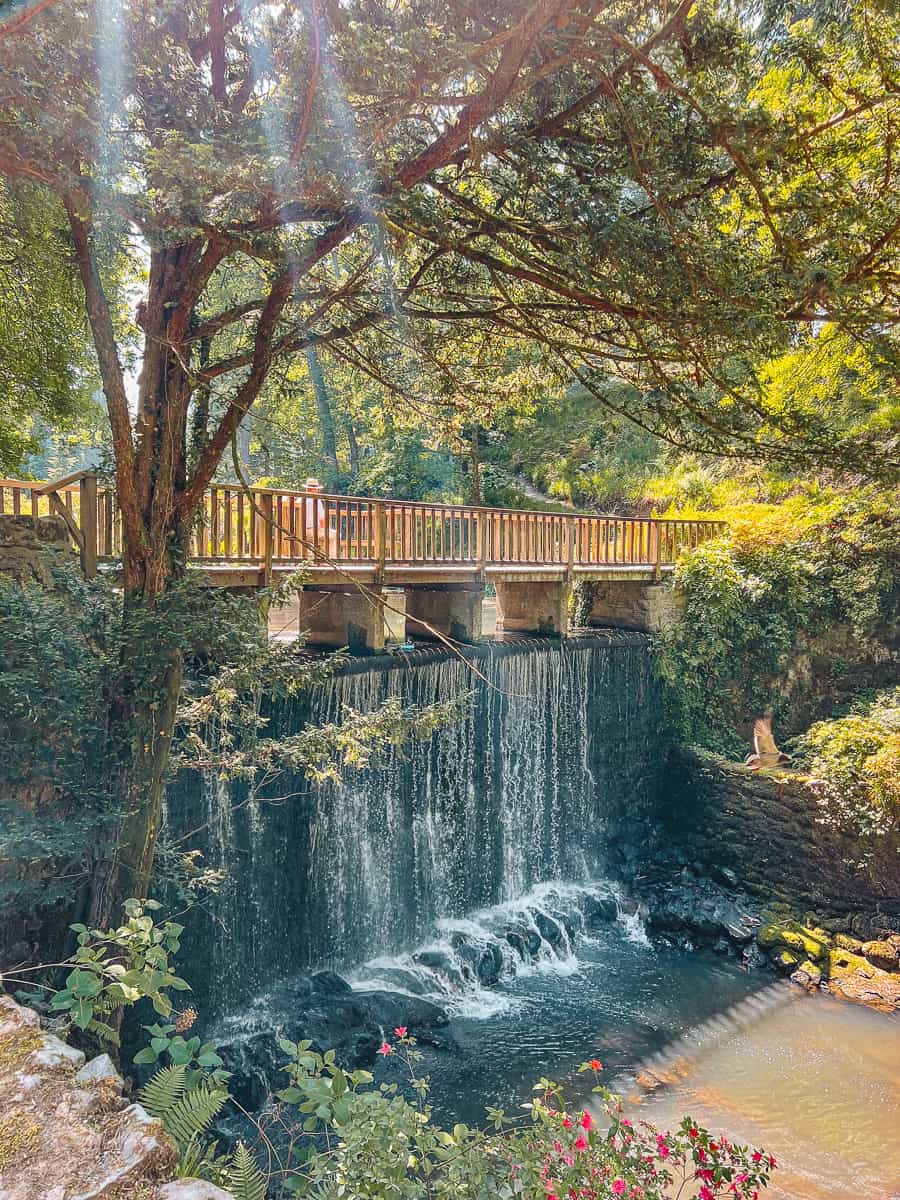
[
  {"x": 814, "y": 972},
  {"x": 785, "y": 960},
  {"x": 806, "y": 943},
  {"x": 881, "y": 954},
  {"x": 845, "y": 942},
  {"x": 843, "y": 963}
]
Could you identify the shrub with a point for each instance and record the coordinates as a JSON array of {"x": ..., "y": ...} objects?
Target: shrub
[{"x": 855, "y": 764}]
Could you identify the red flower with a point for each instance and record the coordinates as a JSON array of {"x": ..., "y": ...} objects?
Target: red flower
[
  {"x": 385, "y": 1049},
  {"x": 595, "y": 1064},
  {"x": 567, "y": 1122},
  {"x": 581, "y": 1142},
  {"x": 400, "y": 1031},
  {"x": 587, "y": 1121},
  {"x": 772, "y": 1162},
  {"x": 618, "y": 1186},
  {"x": 694, "y": 1133},
  {"x": 757, "y": 1157},
  {"x": 706, "y": 1194}
]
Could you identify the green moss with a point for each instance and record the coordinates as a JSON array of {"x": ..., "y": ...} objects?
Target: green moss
[
  {"x": 19, "y": 1137},
  {"x": 843, "y": 963},
  {"x": 845, "y": 942},
  {"x": 14, "y": 1047},
  {"x": 787, "y": 960},
  {"x": 804, "y": 942},
  {"x": 810, "y": 969}
]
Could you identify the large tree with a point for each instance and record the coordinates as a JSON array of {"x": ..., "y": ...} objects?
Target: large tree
[{"x": 584, "y": 187}]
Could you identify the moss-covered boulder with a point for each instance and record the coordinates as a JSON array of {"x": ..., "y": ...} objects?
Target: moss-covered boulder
[
  {"x": 801, "y": 940},
  {"x": 881, "y": 954}
]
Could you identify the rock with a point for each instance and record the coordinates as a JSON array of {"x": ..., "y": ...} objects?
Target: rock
[
  {"x": 845, "y": 942},
  {"x": 56, "y": 1053},
  {"x": 726, "y": 876},
  {"x": 550, "y": 930},
  {"x": 600, "y": 910},
  {"x": 330, "y": 983},
  {"x": 100, "y": 1069},
  {"x": 191, "y": 1189},
  {"x": 784, "y": 960},
  {"x": 61, "y": 1139},
  {"x": 881, "y": 954},
  {"x": 804, "y": 980}
]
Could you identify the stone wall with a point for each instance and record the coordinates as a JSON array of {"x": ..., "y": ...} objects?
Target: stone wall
[
  {"x": 763, "y": 828},
  {"x": 31, "y": 546},
  {"x": 633, "y": 604}
]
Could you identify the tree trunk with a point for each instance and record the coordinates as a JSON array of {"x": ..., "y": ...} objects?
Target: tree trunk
[
  {"x": 353, "y": 447},
  {"x": 330, "y": 472},
  {"x": 475, "y": 468}
]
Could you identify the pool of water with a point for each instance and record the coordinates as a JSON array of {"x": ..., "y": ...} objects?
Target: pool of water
[
  {"x": 616, "y": 999},
  {"x": 814, "y": 1081}
]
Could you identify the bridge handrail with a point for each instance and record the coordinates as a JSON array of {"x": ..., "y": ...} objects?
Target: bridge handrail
[{"x": 266, "y": 526}]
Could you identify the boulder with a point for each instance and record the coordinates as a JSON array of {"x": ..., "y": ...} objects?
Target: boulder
[
  {"x": 881, "y": 954},
  {"x": 192, "y": 1189},
  {"x": 100, "y": 1070}
]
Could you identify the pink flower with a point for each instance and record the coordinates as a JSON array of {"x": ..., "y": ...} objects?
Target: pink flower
[
  {"x": 663, "y": 1150},
  {"x": 757, "y": 1157},
  {"x": 385, "y": 1049},
  {"x": 400, "y": 1031},
  {"x": 706, "y": 1194},
  {"x": 587, "y": 1121},
  {"x": 581, "y": 1142},
  {"x": 618, "y": 1186},
  {"x": 567, "y": 1122}
]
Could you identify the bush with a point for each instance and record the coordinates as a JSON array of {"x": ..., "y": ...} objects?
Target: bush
[
  {"x": 754, "y": 600},
  {"x": 855, "y": 764}
]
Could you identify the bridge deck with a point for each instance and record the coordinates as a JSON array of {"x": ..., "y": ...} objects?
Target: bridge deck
[{"x": 247, "y": 537}]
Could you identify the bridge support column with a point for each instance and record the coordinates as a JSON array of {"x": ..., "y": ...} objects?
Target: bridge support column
[
  {"x": 362, "y": 621},
  {"x": 525, "y": 606},
  {"x": 631, "y": 604},
  {"x": 453, "y": 610}
]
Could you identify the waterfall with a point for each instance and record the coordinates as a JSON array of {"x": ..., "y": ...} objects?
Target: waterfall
[{"x": 553, "y": 762}]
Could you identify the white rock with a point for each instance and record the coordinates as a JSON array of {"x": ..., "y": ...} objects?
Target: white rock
[
  {"x": 192, "y": 1189},
  {"x": 100, "y": 1068},
  {"x": 55, "y": 1053},
  {"x": 14, "y": 1017}
]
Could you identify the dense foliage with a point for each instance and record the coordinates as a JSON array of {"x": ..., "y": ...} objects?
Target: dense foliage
[
  {"x": 820, "y": 565},
  {"x": 855, "y": 764},
  {"x": 48, "y": 373},
  {"x": 62, "y": 652}
]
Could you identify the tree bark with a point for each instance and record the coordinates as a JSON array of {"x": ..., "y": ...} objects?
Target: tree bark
[{"x": 331, "y": 470}]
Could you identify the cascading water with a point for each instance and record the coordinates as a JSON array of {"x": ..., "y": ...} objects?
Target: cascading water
[{"x": 556, "y": 755}]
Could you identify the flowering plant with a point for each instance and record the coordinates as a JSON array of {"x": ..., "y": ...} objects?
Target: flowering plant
[{"x": 371, "y": 1141}]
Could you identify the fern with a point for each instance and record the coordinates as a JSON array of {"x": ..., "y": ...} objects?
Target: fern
[
  {"x": 185, "y": 1114},
  {"x": 161, "y": 1092},
  {"x": 245, "y": 1180},
  {"x": 193, "y": 1114}
]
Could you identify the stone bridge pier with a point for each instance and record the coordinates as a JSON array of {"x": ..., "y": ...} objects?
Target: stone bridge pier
[
  {"x": 538, "y": 605},
  {"x": 648, "y": 605}
]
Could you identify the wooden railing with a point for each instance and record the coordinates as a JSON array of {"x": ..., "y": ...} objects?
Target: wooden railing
[{"x": 270, "y": 527}]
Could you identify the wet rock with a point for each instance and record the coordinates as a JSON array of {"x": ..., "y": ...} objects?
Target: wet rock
[
  {"x": 330, "y": 983},
  {"x": 600, "y": 910},
  {"x": 725, "y": 876},
  {"x": 550, "y": 930}
]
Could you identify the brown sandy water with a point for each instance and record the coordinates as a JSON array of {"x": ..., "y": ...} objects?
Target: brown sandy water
[{"x": 814, "y": 1081}]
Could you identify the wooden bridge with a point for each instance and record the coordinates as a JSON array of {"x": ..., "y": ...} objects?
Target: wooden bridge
[{"x": 245, "y": 538}]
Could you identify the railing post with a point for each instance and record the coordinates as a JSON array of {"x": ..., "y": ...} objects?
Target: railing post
[
  {"x": 380, "y": 520},
  {"x": 655, "y": 539},
  {"x": 570, "y": 544},
  {"x": 87, "y": 504},
  {"x": 268, "y": 533},
  {"x": 481, "y": 525}
]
